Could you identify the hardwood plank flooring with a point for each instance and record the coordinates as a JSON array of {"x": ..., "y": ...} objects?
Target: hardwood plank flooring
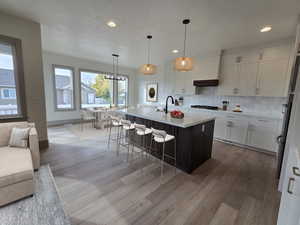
[{"x": 99, "y": 187}]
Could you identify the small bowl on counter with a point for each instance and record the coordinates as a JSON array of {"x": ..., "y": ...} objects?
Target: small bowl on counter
[{"x": 177, "y": 114}]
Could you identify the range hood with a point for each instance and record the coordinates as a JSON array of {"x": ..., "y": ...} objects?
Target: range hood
[
  {"x": 208, "y": 70},
  {"x": 206, "y": 83}
]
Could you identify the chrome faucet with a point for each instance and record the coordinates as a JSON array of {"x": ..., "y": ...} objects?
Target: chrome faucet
[{"x": 166, "y": 108}]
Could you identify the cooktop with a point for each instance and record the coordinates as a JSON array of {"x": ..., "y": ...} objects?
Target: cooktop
[{"x": 205, "y": 107}]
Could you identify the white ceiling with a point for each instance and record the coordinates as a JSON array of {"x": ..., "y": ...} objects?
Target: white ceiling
[{"x": 78, "y": 27}]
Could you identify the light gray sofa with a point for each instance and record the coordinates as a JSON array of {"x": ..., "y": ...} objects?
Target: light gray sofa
[{"x": 17, "y": 164}]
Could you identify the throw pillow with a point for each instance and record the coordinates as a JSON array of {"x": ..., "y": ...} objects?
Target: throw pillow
[{"x": 19, "y": 137}]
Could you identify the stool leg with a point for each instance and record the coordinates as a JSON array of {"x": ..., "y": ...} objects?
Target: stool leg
[
  {"x": 127, "y": 140},
  {"x": 109, "y": 137},
  {"x": 151, "y": 144}
]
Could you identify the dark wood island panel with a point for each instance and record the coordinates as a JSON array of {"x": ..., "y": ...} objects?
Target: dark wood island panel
[{"x": 194, "y": 144}]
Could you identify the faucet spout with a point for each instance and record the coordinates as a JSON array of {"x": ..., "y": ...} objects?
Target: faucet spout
[{"x": 166, "y": 108}]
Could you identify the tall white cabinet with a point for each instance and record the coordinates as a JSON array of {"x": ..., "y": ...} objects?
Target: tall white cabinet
[{"x": 258, "y": 72}]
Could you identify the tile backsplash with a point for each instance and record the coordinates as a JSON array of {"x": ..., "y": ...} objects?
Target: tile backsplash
[{"x": 207, "y": 96}]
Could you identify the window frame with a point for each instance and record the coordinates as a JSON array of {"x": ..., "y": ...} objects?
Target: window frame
[
  {"x": 54, "y": 66},
  {"x": 17, "y": 55},
  {"x": 117, "y": 90},
  {"x": 115, "y": 86}
]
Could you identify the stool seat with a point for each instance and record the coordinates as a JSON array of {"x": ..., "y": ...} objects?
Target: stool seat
[
  {"x": 116, "y": 123},
  {"x": 128, "y": 127},
  {"x": 145, "y": 132},
  {"x": 166, "y": 139}
]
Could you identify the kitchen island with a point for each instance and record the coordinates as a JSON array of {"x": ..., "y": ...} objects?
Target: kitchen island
[{"x": 193, "y": 133}]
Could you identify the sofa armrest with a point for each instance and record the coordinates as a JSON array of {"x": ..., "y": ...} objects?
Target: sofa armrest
[{"x": 34, "y": 148}]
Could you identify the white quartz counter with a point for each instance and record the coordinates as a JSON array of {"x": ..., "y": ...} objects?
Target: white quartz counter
[{"x": 190, "y": 118}]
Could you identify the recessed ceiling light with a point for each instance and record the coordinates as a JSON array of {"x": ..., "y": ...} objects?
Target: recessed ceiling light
[
  {"x": 175, "y": 51},
  {"x": 111, "y": 23},
  {"x": 266, "y": 29}
]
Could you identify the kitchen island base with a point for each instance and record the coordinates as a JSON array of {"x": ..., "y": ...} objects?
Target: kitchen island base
[{"x": 194, "y": 144}]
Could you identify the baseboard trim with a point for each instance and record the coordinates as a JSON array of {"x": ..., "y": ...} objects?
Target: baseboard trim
[
  {"x": 62, "y": 122},
  {"x": 44, "y": 144},
  {"x": 247, "y": 147}
]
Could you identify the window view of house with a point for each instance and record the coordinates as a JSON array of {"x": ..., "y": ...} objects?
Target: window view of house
[
  {"x": 8, "y": 96},
  {"x": 64, "y": 88},
  {"x": 96, "y": 90},
  {"x": 122, "y": 91}
]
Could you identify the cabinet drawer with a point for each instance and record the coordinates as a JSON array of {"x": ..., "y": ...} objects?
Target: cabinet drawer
[{"x": 266, "y": 123}]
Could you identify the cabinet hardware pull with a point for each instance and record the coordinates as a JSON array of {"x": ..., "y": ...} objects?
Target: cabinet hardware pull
[
  {"x": 289, "y": 185},
  {"x": 263, "y": 120},
  {"x": 296, "y": 171}
]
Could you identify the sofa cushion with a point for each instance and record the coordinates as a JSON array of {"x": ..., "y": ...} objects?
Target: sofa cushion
[
  {"x": 15, "y": 165},
  {"x": 5, "y": 130},
  {"x": 19, "y": 137}
]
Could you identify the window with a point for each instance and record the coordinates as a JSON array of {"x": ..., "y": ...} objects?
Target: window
[
  {"x": 95, "y": 89},
  {"x": 8, "y": 93},
  {"x": 12, "y": 100},
  {"x": 64, "y": 88},
  {"x": 122, "y": 91}
]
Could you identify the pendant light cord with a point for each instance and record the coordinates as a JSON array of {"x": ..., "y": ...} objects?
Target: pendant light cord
[
  {"x": 113, "y": 65},
  {"x": 149, "y": 51},
  {"x": 184, "y": 43}
]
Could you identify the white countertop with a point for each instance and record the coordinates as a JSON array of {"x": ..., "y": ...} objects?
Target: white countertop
[
  {"x": 190, "y": 118},
  {"x": 267, "y": 115}
]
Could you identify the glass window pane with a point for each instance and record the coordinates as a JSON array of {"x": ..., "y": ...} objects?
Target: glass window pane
[
  {"x": 96, "y": 90},
  {"x": 122, "y": 91},
  {"x": 64, "y": 88},
  {"x": 8, "y": 99}
]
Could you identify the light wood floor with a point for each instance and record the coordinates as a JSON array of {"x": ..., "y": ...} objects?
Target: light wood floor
[{"x": 235, "y": 187}]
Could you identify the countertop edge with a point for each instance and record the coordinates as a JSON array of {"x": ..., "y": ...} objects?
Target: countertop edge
[{"x": 167, "y": 122}]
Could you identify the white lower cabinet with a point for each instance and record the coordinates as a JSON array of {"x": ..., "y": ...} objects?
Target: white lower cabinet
[
  {"x": 290, "y": 198},
  {"x": 220, "y": 127},
  {"x": 259, "y": 133},
  {"x": 236, "y": 130},
  {"x": 262, "y": 134}
]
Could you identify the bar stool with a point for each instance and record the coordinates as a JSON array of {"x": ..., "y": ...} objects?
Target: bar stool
[
  {"x": 143, "y": 131},
  {"x": 161, "y": 137},
  {"x": 115, "y": 122},
  {"x": 126, "y": 127}
]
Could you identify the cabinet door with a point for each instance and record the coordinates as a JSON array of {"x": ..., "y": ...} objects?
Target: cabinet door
[
  {"x": 262, "y": 137},
  {"x": 248, "y": 79},
  {"x": 229, "y": 79},
  {"x": 236, "y": 130},
  {"x": 180, "y": 81},
  {"x": 290, "y": 198},
  {"x": 272, "y": 77},
  {"x": 220, "y": 128}
]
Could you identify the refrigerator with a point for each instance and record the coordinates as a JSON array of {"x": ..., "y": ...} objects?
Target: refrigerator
[{"x": 282, "y": 138}]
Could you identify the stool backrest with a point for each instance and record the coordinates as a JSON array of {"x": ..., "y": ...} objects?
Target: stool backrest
[
  {"x": 126, "y": 123},
  {"x": 115, "y": 119},
  {"x": 159, "y": 133},
  {"x": 140, "y": 128}
]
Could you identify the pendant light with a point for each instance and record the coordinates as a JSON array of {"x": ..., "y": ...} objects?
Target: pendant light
[
  {"x": 115, "y": 72},
  {"x": 148, "y": 69},
  {"x": 184, "y": 64}
]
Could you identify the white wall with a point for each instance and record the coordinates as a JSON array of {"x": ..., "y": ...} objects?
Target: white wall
[
  {"x": 50, "y": 58},
  {"x": 30, "y": 34}
]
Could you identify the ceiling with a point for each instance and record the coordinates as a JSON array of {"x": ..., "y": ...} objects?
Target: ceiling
[{"x": 78, "y": 27}]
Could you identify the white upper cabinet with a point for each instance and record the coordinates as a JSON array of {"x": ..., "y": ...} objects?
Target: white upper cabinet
[
  {"x": 272, "y": 78},
  {"x": 205, "y": 68},
  {"x": 260, "y": 72}
]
